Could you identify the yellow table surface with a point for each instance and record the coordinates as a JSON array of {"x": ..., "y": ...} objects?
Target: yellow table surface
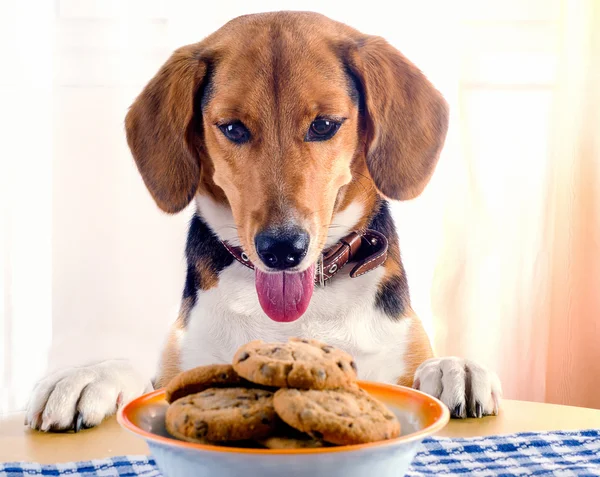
[{"x": 18, "y": 443}]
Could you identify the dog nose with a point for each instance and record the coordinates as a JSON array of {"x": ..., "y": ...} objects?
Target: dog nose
[{"x": 281, "y": 250}]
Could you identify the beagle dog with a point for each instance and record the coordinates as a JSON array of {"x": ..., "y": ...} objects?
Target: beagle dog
[{"x": 290, "y": 132}]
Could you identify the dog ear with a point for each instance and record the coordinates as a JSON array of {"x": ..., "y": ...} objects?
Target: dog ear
[
  {"x": 160, "y": 129},
  {"x": 406, "y": 118}
]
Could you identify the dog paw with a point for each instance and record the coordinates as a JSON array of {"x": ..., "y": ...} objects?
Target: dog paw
[
  {"x": 467, "y": 388},
  {"x": 83, "y": 397}
]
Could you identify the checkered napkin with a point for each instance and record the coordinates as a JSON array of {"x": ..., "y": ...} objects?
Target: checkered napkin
[
  {"x": 541, "y": 453},
  {"x": 563, "y": 454}
]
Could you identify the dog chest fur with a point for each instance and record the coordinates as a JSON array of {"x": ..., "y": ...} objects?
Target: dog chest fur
[{"x": 343, "y": 314}]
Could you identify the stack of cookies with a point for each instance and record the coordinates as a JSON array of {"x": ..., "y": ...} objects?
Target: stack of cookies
[{"x": 298, "y": 394}]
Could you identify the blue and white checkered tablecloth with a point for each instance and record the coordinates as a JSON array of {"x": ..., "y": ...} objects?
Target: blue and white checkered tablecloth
[{"x": 542, "y": 453}]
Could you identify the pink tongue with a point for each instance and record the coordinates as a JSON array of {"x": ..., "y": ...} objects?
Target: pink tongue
[{"x": 285, "y": 296}]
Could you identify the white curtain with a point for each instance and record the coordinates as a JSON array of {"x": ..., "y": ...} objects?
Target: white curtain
[
  {"x": 517, "y": 284},
  {"x": 27, "y": 138},
  {"x": 91, "y": 268}
]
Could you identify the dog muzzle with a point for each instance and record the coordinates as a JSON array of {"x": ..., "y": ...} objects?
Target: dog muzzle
[{"x": 285, "y": 296}]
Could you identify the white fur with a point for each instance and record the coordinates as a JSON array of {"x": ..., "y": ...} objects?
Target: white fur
[
  {"x": 453, "y": 379},
  {"x": 343, "y": 222},
  {"x": 94, "y": 391},
  {"x": 219, "y": 218}
]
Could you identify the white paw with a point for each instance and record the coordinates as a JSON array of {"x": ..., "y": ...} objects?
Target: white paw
[
  {"x": 79, "y": 398},
  {"x": 468, "y": 389}
]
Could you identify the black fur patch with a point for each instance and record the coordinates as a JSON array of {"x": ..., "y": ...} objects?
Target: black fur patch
[
  {"x": 205, "y": 91},
  {"x": 355, "y": 90},
  {"x": 393, "y": 296},
  {"x": 382, "y": 222},
  {"x": 202, "y": 97},
  {"x": 202, "y": 245},
  {"x": 191, "y": 283}
]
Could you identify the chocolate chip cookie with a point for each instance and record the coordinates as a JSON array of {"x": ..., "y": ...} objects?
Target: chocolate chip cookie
[
  {"x": 286, "y": 437},
  {"x": 203, "y": 377},
  {"x": 222, "y": 414},
  {"x": 342, "y": 416},
  {"x": 299, "y": 363},
  {"x": 284, "y": 442}
]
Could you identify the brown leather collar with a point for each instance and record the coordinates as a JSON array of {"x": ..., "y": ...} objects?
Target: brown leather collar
[{"x": 368, "y": 249}]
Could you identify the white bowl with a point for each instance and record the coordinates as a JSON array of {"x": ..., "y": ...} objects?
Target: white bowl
[{"x": 420, "y": 416}]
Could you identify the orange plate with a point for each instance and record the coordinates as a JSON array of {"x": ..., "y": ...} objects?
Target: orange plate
[{"x": 432, "y": 414}]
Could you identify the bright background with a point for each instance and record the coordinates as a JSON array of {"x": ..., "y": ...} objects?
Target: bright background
[{"x": 502, "y": 250}]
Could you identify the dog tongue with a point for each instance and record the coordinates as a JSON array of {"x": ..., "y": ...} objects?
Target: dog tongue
[{"x": 284, "y": 297}]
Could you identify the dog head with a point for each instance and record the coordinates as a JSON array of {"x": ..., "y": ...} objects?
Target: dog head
[{"x": 286, "y": 119}]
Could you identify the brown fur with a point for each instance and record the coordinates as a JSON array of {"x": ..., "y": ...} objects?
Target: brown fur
[
  {"x": 418, "y": 351},
  {"x": 407, "y": 118},
  {"x": 158, "y": 131},
  {"x": 170, "y": 361},
  {"x": 206, "y": 274}
]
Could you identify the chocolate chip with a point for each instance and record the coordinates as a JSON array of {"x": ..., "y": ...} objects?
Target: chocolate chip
[
  {"x": 266, "y": 370},
  {"x": 327, "y": 349},
  {"x": 201, "y": 428},
  {"x": 224, "y": 376},
  {"x": 243, "y": 357},
  {"x": 353, "y": 364},
  {"x": 340, "y": 365},
  {"x": 351, "y": 424},
  {"x": 389, "y": 417},
  {"x": 304, "y": 341},
  {"x": 277, "y": 348}
]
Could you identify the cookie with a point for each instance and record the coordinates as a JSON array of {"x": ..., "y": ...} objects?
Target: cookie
[
  {"x": 284, "y": 442},
  {"x": 343, "y": 416},
  {"x": 203, "y": 377},
  {"x": 246, "y": 444},
  {"x": 286, "y": 437},
  {"x": 303, "y": 364},
  {"x": 222, "y": 414}
]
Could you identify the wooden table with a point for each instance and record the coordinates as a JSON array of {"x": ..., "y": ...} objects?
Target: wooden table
[{"x": 20, "y": 444}]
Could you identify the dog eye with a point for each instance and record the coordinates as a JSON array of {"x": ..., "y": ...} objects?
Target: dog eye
[
  {"x": 322, "y": 129},
  {"x": 235, "y": 132}
]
